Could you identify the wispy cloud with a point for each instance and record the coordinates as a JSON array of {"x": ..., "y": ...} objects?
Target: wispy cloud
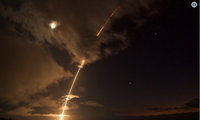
[
  {"x": 26, "y": 69},
  {"x": 25, "y": 111},
  {"x": 77, "y": 27},
  {"x": 92, "y": 103},
  {"x": 43, "y": 106},
  {"x": 189, "y": 105},
  {"x": 71, "y": 96},
  {"x": 27, "y": 63}
]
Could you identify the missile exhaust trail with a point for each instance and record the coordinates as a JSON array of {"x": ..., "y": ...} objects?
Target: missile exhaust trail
[
  {"x": 81, "y": 66},
  {"x": 107, "y": 21}
]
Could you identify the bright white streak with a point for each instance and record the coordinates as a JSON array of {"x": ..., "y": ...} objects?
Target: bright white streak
[
  {"x": 107, "y": 21},
  {"x": 81, "y": 66}
]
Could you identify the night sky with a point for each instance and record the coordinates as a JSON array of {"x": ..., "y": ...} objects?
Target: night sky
[{"x": 143, "y": 66}]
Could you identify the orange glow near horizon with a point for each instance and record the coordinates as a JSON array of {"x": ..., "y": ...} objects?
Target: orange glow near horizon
[{"x": 157, "y": 113}]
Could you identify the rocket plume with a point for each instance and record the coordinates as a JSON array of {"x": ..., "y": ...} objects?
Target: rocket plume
[
  {"x": 81, "y": 66},
  {"x": 107, "y": 21}
]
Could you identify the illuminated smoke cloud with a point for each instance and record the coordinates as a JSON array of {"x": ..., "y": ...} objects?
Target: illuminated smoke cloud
[{"x": 77, "y": 28}]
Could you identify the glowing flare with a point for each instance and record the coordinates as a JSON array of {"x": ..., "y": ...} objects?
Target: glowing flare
[
  {"x": 53, "y": 24},
  {"x": 81, "y": 66},
  {"x": 107, "y": 21}
]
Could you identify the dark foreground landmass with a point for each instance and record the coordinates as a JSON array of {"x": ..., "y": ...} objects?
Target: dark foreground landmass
[
  {"x": 6, "y": 119},
  {"x": 183, "y": 116},
  {"x": 187, "y": 116}
]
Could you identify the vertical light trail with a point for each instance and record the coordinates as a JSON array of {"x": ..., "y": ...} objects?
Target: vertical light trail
[
  {"x": 81, "y": 66},
  {"x": 107, "y": 21}
]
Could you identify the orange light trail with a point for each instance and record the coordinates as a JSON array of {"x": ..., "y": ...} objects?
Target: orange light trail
[
  {"x": 81, "y": 66},
  {"x": 107, "y": 21}
]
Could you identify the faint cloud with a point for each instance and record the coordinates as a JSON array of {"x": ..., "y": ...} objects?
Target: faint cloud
[
  {"x": 27, "y": 64},
  {"x": 71, "y": 96},
  {"x": 71, "y": 106},
  {"x": 43, "y": 106},
  {"x": 44, "y": 101},
  {"x": 92, "y": 103},
  {"x": 192, "y": 104},
  {"x": 79, "y": 27},
  {"x": 82, "y": 89},
  {"x": 26, "y": 111},
  {"x": 22, "y": 111},
  {"x": 26, "y": 68},
  {"x": 164, "y": 109}
]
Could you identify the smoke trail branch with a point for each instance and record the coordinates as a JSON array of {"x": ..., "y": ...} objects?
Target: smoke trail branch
[{"x": 107, "y": 21}]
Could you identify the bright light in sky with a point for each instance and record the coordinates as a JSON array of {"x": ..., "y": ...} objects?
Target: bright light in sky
[
  {"x": 62, "y": 115},
  {"x": 53, "y": 24}
]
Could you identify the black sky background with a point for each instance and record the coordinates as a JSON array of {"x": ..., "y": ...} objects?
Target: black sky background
[
  {"x": 154, "y": 64},
  {"x": 161, "y": 64},
  {"x": 158, "y": 70}
]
